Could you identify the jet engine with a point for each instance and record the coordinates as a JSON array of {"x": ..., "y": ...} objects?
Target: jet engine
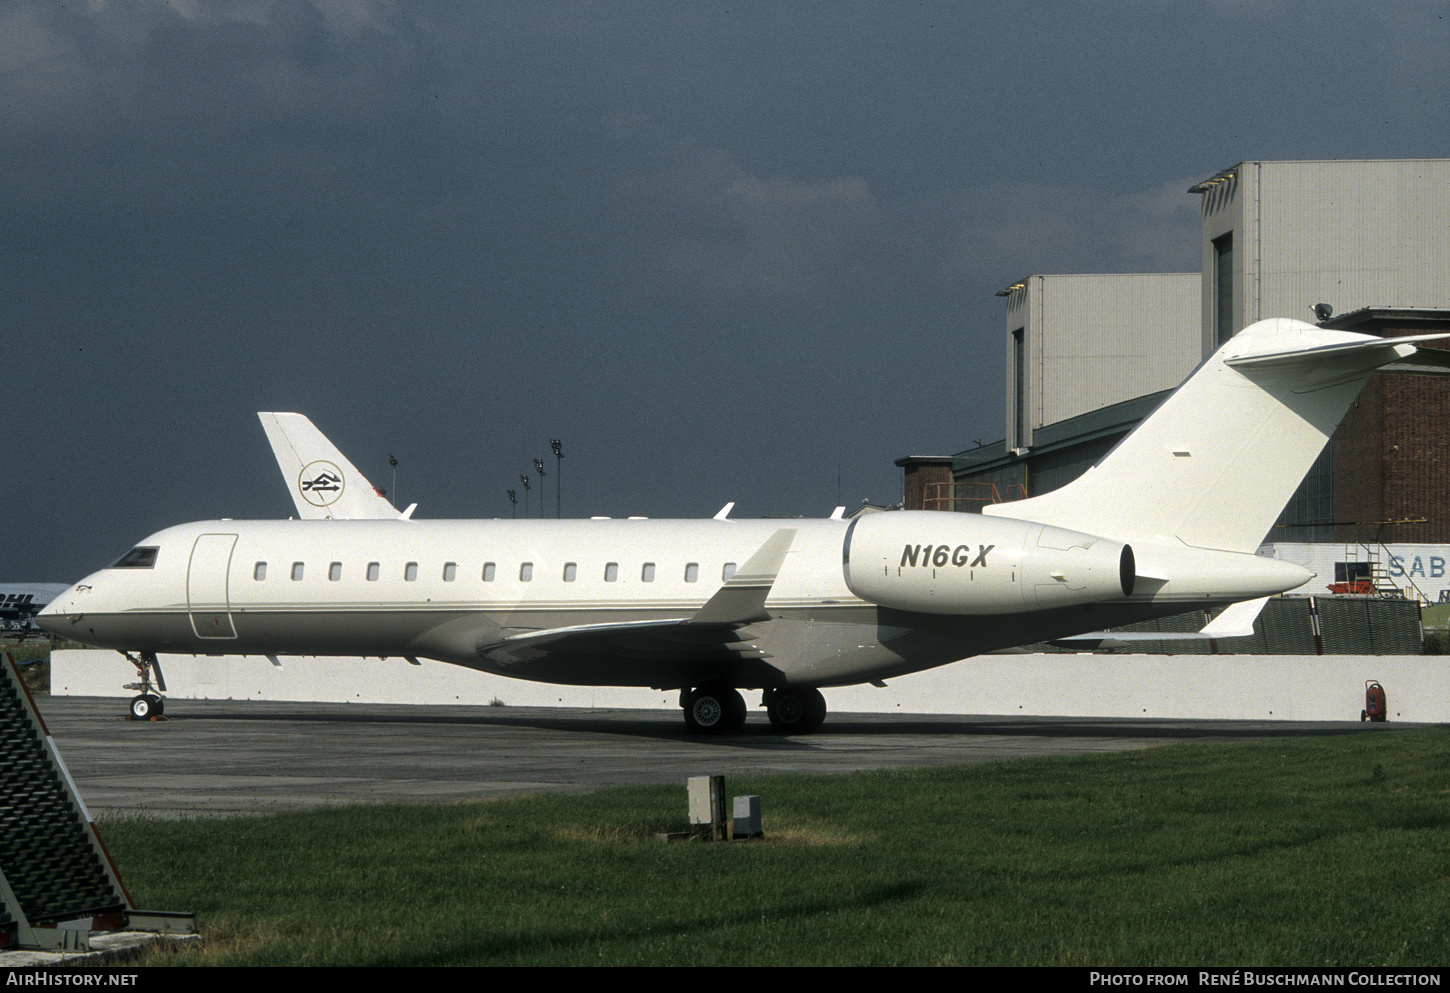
[{"x": 941, "y": 563}]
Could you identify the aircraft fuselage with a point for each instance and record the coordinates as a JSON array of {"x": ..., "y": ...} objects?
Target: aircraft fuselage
[{"x": 601, "y": 602}]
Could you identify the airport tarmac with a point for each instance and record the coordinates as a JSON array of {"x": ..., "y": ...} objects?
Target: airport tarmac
[{"x": 226, "y": 757}]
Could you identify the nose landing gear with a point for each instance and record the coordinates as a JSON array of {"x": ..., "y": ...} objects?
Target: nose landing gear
[{"x": 149, "y": 703}]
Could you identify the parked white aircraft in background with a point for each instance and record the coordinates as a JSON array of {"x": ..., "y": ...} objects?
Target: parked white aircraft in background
[
  {"x": 1167, "y": 522},
  {"x": 20, "y": 602}
]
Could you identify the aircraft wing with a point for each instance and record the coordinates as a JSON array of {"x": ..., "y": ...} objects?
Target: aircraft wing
[
  {"x": 1236, "y": 621},
  {"x": 715, "y": 642}
]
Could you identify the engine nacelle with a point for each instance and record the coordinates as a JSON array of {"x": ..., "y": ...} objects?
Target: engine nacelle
[{"x": 944, "y": 563}]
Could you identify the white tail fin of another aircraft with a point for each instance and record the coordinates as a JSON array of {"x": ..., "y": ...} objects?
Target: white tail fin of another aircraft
[
  {"x": 1215, "y": 464},
  {"x": 323, "y": 483}
]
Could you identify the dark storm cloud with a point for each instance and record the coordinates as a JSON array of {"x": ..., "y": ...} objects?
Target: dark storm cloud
[{"x": 725, "y": 251}]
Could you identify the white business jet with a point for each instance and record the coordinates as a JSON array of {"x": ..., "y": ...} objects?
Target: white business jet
[{"x": 1167, "y": 522}]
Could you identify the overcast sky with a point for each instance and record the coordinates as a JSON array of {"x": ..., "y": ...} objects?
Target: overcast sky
[{"x": 730, "y": 251}]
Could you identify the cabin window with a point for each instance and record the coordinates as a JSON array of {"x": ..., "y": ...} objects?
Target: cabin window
[
  {"x": 296, "y": 571},
  {"x": 571, "y": 571},
  {"x": 526, "y": 572},
  {"x": 143, "y": 557},
  {"x": 692, "y": 572},
  {"x": 611, "y": 572},
  {"x": 647, "y": 574},
  {"x": 489, "y": 569},
  {"x": 334, "y": 571},
  {"x": 372, "y": 572},
  {"x": 727, "y": 572},
  {"x": 259, "y": 571},
  {"x": 450, "y": 571},
  {"x": 410, "y": 572}
]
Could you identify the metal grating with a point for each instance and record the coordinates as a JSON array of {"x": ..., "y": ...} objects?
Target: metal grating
[
  {"x": 51, "y": 864},
  {"x": 1369, "y": 626}
]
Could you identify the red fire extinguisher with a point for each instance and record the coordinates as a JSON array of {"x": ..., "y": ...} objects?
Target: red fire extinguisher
[{"x": 1374, "y": 702}]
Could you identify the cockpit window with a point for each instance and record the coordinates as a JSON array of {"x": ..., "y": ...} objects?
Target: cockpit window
[{"x": 141, "y": 557}]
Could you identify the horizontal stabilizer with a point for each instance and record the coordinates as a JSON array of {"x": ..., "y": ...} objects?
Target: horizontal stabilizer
[{"x": 1376, "y": 352}]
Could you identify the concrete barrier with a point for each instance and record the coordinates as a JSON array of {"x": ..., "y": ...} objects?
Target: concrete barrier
[{"x": 1217, "y": 687}]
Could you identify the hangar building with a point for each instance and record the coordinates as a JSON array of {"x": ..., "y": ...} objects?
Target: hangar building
[{"x": 1088, "y": 356}]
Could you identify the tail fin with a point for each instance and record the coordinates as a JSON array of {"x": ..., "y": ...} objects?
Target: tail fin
[
  {"x": 323, "y": 483},
  {"x": 1215, "y": 464}
]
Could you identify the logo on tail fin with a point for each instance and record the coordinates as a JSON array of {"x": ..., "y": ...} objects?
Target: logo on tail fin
[{"x": 320, "y": 483}]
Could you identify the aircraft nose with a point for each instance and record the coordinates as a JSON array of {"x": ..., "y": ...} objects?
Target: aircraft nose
[{"x": 55, "y": 616}]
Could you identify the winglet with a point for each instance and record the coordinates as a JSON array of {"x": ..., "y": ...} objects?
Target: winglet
[
  {"x": 724, "y": 513},
  {"x": 1237, "y": 620},
  {"x": 742, "y": 599},
  {"x": 323, "y": 483}
]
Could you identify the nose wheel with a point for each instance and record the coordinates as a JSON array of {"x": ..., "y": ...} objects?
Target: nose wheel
[
  {"x": 147, "y": 706},
  {"x": 149, "y": 703}
]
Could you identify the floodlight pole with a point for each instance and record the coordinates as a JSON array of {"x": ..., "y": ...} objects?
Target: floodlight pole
[
  {"x": 539, "y": 468},
  {"x": 524, "y": 478},
  {"x": 556, "y": 445}
]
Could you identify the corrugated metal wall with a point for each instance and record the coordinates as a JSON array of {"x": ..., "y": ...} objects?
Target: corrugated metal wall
[
  {"x": 1095, "y": 340},
  {"x": 1351, "y": 233}
]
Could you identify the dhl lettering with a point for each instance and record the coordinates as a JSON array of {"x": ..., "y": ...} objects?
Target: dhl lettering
[{"x": 940, "y": 555}]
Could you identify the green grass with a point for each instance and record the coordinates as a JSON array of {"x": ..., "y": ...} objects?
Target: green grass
[{"x": 1325, "y": 851}]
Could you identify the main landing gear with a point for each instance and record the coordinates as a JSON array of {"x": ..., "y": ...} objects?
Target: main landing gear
[
  {"x": 149, "y": 703},
  {"x": 716, "y": 708}
]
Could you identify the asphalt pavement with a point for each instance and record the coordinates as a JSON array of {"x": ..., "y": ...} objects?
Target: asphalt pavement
[{"x": 226, "y": 758}]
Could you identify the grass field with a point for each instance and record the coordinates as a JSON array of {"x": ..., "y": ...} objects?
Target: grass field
[{"x": 1325, "y": 851}]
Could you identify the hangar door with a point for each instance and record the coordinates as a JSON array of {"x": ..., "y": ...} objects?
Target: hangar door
[{"x": 206, "y": 586}]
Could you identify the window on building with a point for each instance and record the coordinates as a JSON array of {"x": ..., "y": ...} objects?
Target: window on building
[
  {"x": 1021, "y": 433},
  {"x": 1223, "y": 289}
]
